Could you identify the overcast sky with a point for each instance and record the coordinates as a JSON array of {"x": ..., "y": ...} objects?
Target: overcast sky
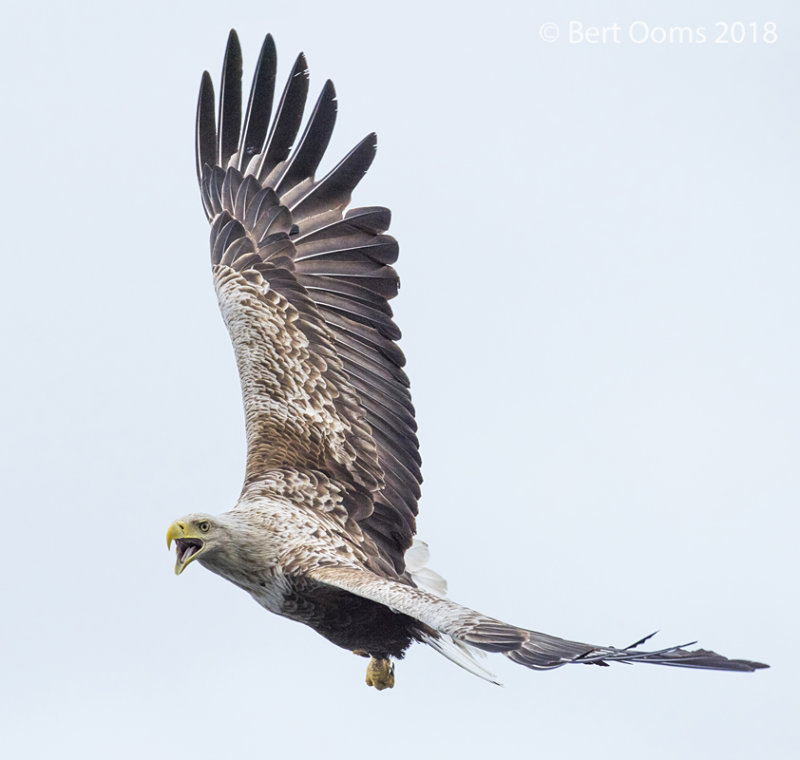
[{"x": 599, "y": 257}]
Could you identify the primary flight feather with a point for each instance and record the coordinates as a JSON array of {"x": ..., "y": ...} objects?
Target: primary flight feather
[{"x": 323, "y": 532}]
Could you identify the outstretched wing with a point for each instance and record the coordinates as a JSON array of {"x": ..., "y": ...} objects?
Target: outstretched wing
[
  {"x": 304, "y": 286},
  {"x": 539, "y": 651}
]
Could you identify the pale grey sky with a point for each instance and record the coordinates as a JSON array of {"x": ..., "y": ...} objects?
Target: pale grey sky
[{"x": 599, "y": 255}]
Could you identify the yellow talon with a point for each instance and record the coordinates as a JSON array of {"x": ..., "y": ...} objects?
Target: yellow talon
[{"x": 380, "y": 673}]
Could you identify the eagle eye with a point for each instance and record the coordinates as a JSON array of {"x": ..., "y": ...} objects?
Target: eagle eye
[{"x": 204, "y": 526}]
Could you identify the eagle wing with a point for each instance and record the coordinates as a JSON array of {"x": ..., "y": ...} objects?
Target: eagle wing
[
  {"x": 303, "y": 287},
  {"x": 539, "y": 651}
]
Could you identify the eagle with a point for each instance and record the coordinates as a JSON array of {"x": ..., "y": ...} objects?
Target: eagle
[{"x": 324, "y": 529}]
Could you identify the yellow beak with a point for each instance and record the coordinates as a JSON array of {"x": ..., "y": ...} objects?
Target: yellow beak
[
  {"x": 174, "y": 532},
  {"x": 179, "y": 530}
]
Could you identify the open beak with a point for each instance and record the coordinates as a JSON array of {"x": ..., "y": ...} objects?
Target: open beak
[{"x": 187, "y": 544}]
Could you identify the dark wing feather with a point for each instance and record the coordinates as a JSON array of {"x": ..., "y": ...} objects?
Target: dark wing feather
[
  {"x": 206, "y": 130},
  {"x": 306, "y": 157},
  {"x": 287, "y": 121},
  {"x": 259, "y": 106},
  {"x": 285, "y": 249},
  {"x": 230, "y": 101},
  {"x": 332, "y": 193}
]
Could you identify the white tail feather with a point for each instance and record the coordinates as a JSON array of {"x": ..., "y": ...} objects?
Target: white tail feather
[
  {"x": 461, "y": 654},
  {"x": 431, "y": 581},
  {"x": 416, "y": 559},
  {"x": 416, "y": 556}
]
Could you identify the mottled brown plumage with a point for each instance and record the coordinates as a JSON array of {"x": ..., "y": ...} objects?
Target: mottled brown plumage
[{"x": 327, "y": 513}]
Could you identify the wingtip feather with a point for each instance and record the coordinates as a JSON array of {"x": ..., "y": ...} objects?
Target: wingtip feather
[
  {"x": 230, "y": 100},
  {"x": 205, "y": 126},
  {"x": 259, "y": 105}
]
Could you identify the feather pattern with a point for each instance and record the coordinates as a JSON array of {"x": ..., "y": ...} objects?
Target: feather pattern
[{"x": 297, "y": 271}]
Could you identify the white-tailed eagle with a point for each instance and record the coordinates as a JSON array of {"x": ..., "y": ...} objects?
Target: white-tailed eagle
[{"x": 324, "y": 526}]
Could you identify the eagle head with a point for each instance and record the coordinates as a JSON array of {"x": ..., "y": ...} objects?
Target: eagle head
[{"x": 193, "y": 535}]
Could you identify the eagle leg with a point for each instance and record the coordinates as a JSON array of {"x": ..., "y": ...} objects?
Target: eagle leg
[{"x": 380, "y": 673}]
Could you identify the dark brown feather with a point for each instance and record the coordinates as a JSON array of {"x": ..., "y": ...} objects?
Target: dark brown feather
[
  {"x": 230, "y": 101},
  {"x": 259, "y": 106}
]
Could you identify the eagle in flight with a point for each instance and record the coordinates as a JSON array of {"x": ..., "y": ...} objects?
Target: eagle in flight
[{"x": 323, "y": 532}]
